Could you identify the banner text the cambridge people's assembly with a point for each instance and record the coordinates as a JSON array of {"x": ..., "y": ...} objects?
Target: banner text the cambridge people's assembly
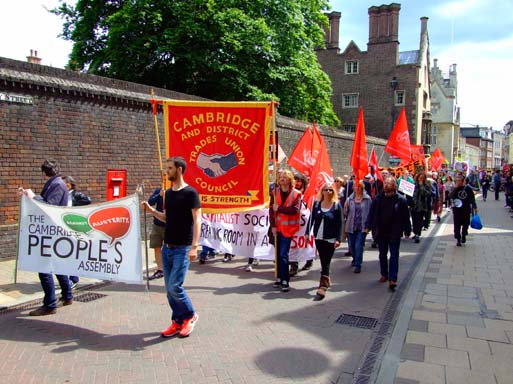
[{"x": 102, "y": 241}]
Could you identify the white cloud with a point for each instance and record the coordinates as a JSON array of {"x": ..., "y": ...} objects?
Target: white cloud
[
  {"x": 484, "y": 83},
  {"x": 459, "y": 8},
  {"x": 26, "y": 25}
]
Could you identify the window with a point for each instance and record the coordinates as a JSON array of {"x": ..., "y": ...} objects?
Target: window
[
  {"x": 399, "y": 98},
  {"x": 434, "y": 131},
  {"x": 350, "y": 100},
  {"x": 351, "y": 67},
  {"x": 351, "y": 128}
]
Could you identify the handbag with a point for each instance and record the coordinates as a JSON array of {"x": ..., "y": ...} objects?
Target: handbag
[{"x": 476, "y": 222}]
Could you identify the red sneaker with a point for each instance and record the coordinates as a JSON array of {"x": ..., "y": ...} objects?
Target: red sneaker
[
  {"x": 382, "y": 279},
  {"x": 172, "y": 330},
  {"x": 188, "y": 325}
]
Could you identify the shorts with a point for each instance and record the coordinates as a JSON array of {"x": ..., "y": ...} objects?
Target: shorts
[{"x": 157, "y": 236}]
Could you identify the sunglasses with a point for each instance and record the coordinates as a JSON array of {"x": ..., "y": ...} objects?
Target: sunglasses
[{"x": 328, "y": 190}]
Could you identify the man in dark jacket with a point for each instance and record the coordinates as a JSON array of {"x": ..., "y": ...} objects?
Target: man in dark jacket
[
  {"x": 463, "y": 202},
  {"x": 389, "y": 218},
  {"x": 54, "y": 192}
]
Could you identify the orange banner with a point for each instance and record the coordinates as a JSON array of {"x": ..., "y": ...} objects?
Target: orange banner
[{"x": 225, "y": 145}]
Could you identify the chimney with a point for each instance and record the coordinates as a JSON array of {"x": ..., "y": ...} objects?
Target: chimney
[
  {"x": 333, "y": 31},
  {"x": 33, "y": 59},
  {"x": 384, "y": 23},
  {"x": 435, "y": 63},
  {"x": 423, "y": 25}
]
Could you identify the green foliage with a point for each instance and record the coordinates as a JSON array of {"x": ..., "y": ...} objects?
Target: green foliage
[{"x": 218, "y": 49}]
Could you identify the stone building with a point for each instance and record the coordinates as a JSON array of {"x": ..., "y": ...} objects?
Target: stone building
[
  {"x": 90, "y": 124},
  {"x": 445, "y": 127},
  {"x": 381, "y": 79},
  {"x": 482, "y": 138}
]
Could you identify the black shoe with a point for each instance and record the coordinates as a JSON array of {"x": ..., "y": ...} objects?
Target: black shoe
[
  {"x": 293, "y": 269},
  {"x": 463, "y": 239},
  {"x": 374, "y": 245},
  {"x": 43, "y": 311},
  {"x": 458, "y": 244},
  {"x": 158, "y": 274},
  {"x": 202, "y": 261},
  {"x": 357, "y": 269},
  {"x": 65, "y": 302},
  {"x": 392, "y": 285},
  {"x": 438, "y": 218},
  {"x": 227, "y": 258},
  {"x": 285, "y": 286},
  {"x": 417, "y": 239},
  {"x": 308, "y": 265},
  {"x": 277, "y": 284}
]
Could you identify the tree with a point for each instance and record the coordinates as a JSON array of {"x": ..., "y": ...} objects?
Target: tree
[{"x": 218, "y": 49}]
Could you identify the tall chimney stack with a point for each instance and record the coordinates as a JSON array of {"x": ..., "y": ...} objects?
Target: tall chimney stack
[
  {"x": 33, "y": 59},
  {"x": 384, "y": 23},
  {"x": 331, "y": 35}
]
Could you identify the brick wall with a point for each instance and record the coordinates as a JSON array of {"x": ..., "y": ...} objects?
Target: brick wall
[{"x": 90, "y": 124}]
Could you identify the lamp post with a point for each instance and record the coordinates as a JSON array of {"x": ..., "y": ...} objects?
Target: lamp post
[
  {"x": 393, "y": 160},
  {"x": 393, "y": 85}
]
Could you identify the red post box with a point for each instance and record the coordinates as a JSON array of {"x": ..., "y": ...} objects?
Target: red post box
[{"x": 116, "y": 183}]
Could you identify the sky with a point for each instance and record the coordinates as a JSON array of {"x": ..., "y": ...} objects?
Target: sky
[{"x": 470, "y": 33}]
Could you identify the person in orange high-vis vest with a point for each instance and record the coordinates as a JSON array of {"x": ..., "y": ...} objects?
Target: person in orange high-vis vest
[{"x": 284, "y": 213}]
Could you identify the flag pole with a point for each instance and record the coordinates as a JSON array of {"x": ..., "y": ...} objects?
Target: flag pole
[
  {"x": 145, "y": 243},
  {"x": 275, "y": 164},
  {"x": 156, "y": 123}
]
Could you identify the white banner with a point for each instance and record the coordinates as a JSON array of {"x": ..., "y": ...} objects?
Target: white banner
[
  {"x": 102, "y": 241},
  {"x": 406, "y": 187},
  {"x": 246, "y": 234}
]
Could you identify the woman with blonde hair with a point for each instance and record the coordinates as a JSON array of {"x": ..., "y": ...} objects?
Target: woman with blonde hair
[
  {"x": 356, "y": 209},
  {"x": 326, "y": 220}
]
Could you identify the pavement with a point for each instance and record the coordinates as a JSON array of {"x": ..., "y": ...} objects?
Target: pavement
[{"x": 449, "y": 321}]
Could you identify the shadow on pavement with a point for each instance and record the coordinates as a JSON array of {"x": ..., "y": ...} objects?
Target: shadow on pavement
[{"x": 67, "y": 338}]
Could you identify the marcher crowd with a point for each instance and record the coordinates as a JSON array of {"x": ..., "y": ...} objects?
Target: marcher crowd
[{"x": 380, "y": 207}]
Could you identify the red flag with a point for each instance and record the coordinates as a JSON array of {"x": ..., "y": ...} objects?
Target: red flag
[
  {"x": 399, "y": 141},
  {"x": 359, "y": 154},
  {"x": 304, "y": 153},
  {"x": 373, "y": 162},
  {"x": 436, "y": 160},
  {"x": 321, "y": 172}
]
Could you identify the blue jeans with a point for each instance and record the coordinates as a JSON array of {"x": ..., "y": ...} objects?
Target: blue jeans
[
  {"x": 175, "y": 262},
  {"x": 50, "y": 300},
  {"x": 383, "y": 246},
  {"x": 205, "y": 251},
  {"x": 283, "y": 257},
  {"x": 356, "y": 244}
]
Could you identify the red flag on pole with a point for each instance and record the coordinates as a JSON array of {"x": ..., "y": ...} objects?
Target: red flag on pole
[
  {"x": 359, "y": 154},
  {"x": 321, "y": 172},
  {"x": 301, "y": 156},
  {"x": 399, "y": 141},
  {"x": 305, "y": 153},
  {"x": 373, "y": 162},
  {"x": 436, "y": 160}
]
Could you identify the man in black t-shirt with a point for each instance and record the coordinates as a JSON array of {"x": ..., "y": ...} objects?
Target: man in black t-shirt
[{"x": 183, "y": 223}]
